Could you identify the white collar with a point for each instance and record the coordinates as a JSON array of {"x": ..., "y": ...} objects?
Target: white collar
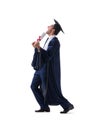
[{"x": 52, "y": 36}]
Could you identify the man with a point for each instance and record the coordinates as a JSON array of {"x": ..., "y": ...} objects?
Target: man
[{"x": 46, "y": 83}]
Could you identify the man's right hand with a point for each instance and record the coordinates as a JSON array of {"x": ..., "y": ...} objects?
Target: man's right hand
[{"x": 35, "y": 44}]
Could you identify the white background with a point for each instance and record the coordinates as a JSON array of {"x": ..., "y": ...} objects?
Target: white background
[{"x": 21, "y": 22}]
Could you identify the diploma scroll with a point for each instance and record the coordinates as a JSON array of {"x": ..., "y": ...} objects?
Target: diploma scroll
[{"x": 41, "y": 37}]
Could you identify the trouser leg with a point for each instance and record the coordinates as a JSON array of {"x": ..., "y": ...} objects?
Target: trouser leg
[
  {"x": 36, "y": 82},
  {"x": 64, "y": 102}
]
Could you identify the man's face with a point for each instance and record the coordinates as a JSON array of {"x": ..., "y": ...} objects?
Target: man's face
[{"x": 50, "y": 29}]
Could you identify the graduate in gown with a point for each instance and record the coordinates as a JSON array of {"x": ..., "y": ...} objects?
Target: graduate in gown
[{"x": 46, "y": 83}]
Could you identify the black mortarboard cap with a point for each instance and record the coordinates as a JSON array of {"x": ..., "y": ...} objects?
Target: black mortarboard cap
[{"x": 57, "y": 27}]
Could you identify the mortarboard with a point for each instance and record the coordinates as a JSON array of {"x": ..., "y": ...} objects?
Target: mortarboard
[{"x": 57, "y": 26}]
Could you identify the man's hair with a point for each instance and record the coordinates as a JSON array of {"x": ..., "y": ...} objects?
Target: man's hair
[{"x": 57, "y": 27}]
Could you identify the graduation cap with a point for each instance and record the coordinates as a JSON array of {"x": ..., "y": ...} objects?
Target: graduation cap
[{"x": 57, "y": 27}]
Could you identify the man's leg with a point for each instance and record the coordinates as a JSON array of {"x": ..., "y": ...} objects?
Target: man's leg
[
  {"x": 36, "y": 82},
  {"x": 67, "y": 106}
]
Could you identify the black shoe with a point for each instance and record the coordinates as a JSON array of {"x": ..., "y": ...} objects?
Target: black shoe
[
  {"x": 47, "y": 109},
  {"x": 43, "y": 110},
  {"x": 67, "y": 109}
]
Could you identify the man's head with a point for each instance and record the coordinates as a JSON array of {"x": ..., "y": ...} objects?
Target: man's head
[{"x": 54, "y": 29}]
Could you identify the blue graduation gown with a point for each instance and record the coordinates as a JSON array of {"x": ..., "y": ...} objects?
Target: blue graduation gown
[{"x": 48, "y": 62}]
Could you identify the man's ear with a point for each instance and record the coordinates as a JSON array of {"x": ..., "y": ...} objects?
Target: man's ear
[{"x": 53, "y": 31}]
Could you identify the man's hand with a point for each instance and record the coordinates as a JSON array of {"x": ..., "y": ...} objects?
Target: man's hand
[
  {"x": 36, "y": 44},
  {"x": 33, "y": 44}
]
